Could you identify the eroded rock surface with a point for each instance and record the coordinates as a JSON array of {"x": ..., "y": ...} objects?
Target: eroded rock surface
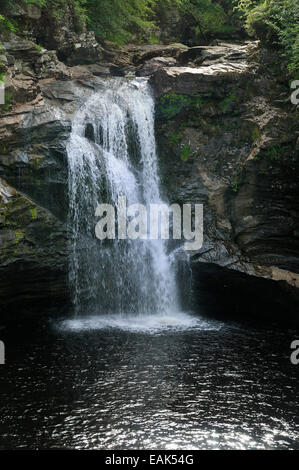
[
  {"x": 227, "y": 137},
  {"x": 33, "y": 265}
]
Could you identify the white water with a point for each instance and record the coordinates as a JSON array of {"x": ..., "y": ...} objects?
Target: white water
[
  {"x": 150, "y": 324},
  {"x": 112, "y": 152}
]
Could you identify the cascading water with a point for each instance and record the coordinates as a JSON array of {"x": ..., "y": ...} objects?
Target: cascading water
[{"x": 112, "y": 152}]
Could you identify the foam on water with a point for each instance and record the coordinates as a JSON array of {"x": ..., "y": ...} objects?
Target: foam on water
[{"x": 150, "y": 324}]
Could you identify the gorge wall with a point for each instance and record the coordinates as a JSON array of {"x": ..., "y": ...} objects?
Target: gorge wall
[{"x": 227, "y": 137}]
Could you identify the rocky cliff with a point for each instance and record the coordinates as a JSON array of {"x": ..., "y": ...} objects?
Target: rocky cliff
[{"x": 227, "y": 137}]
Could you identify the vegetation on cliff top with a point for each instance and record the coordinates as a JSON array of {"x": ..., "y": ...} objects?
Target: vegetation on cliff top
[
  {"x": 275, "y": 22},
  {"x": 120, "y": 20}
]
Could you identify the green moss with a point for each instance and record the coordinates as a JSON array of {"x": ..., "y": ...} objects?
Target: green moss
[
  {"x": 176, "y": 139},
  {"x": 227, "y": 102},
  {"x": 173, "y": 104},
  {"x": 19, "y": 234},
  {"x": 35, "y": 162},
  {"x": 7, "y": 24},
  {"x": 7, "y": 105},
  {"x": 185, "y": 153},
  {"x": 256, "y": 134},
  {"x": 154, "y": 39},
  {"x": 277, "y": 152},
  {"x": 33, "y": 213}
]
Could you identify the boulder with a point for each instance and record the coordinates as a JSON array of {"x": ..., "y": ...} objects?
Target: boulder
[
  {"x": 221, "y": 53},
  {"x": 151, "y": 66},
  {"x": 215, "y": 79}
]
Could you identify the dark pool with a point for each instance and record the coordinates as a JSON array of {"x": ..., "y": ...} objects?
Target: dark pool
[{"x": 191, "y": 384}]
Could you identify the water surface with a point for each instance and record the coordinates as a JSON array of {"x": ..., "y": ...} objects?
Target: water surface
[{"x": 146, "y": 383}]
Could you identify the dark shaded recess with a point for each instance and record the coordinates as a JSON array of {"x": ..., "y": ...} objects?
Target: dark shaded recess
[
  {"x": 231, "y": 295},
  {"x": 89, "y": 132},
  {"x": 45, "y": 184},
  {"x": 116, "y": 71},
  {"x": 184, "y": 281},
  {"x": 31, "y": 290},
  {"x": 133, "y": 143}
]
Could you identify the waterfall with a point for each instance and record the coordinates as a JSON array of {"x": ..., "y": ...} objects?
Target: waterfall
[{"x": 112, "y": 152}]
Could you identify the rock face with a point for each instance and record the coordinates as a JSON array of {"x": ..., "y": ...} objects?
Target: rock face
[
  {"x": 191, "y": 81},
  {"x": 219, "y": 66},
  {"x": 227, "y": 139},
  {"x": 41, "y": 96},
  {"x": 33, "y": 267}
]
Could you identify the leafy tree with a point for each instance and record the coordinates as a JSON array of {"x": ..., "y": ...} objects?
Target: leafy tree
[
  {"x": 275, "y": 22},
  {"x": 7, "y": 25},
  {"x": 117, "y": 20},
  {"x": 208, "y": 16}
]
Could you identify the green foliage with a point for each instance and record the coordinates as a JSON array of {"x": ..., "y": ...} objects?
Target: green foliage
[
  {"x": 185, "y": 153},
  {"x": 235, "y": 187},
  {"x": 209, "y": 16},
  {"x": 121, "y": 20},
  {"x": 274, "y": 152},
  {"x": 7, "y": 24},
  {"x": 176, "y": 139},
  {"x": 277, "y": 152},
  {"x": 59, "y": 8},
  {"x": 227, "y": 102},
  {"x": 118, "y": 20},
  {"x": 8, "y": 98},
  {"x": 275, "y": 22},
  {"x": 33, "y": 213},
  {"x": 153, "y": 39},
  {"x": 172, "y": 104},
  {"x": 39, "y": 3},
  {"x": 244, "y": 7}
]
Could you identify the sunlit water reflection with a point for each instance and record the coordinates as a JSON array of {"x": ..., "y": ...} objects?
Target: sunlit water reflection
[{"x": 196, "y": 384}]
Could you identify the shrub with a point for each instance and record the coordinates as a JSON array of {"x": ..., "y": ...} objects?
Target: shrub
[{"x": 275, "y": 22}]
